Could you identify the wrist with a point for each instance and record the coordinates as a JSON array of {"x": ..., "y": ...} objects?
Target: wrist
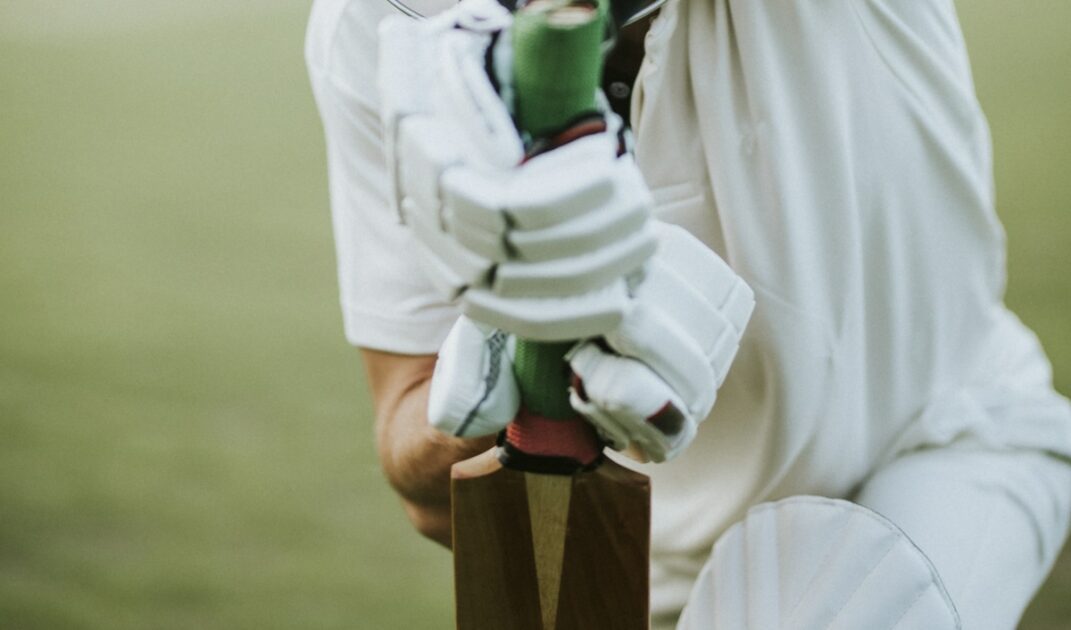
[
  {"x": 416, "y": 461},
  {"x": 430, "y": 521}
]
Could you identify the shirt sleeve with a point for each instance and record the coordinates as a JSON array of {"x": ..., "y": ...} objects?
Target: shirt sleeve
[{"x": 387, "y": 301}]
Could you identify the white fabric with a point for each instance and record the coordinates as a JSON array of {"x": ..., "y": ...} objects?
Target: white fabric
[
  {"x": 991, "y": 521},
  {"x": 570, "y": 224},
  {"x": 843, "y": 169},
  {"x": 810, "y": 563},
  {"x": 834, "y": 154},
  {"x": 388, "y": 303},
  {"x": 978, "y": 528}
]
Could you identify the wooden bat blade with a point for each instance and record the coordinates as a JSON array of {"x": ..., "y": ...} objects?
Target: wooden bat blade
[{"x": 550, "y": 552}]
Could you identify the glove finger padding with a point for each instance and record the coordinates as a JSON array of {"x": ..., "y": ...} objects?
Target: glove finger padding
[
  {"x": 473, "y": 391},
  {"x": 574, "y": 199},
  {"x": 721, "y": 288},
  {"x": 628, "y": 403},
  {"x": 652, "y": 379},
  {"x": 565, "y": 223},
  {"x": 551, "y": 319},
  {"x": 561, "y": 279},
  {"x": 687, "y": 318}
]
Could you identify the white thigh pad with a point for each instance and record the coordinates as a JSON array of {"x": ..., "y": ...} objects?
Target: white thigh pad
[{"x": 813, "y": 563}]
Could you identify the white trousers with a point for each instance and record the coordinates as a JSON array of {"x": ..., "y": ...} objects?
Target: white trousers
[{"x": 966, "y": 534}]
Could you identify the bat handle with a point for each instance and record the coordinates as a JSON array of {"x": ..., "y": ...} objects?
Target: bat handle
[{"x": 557, "y": 62}]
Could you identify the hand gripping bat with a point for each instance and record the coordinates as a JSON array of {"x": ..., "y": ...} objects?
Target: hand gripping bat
[{"x": 548, "y": 534}]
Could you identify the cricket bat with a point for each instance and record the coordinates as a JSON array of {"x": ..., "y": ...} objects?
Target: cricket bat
[{"x": 548, "y": 534}]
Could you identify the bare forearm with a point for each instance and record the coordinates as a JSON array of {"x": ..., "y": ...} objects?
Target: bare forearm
[{"x": 415, "y": 457}]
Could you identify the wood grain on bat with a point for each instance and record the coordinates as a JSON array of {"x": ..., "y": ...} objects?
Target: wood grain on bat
[
  {"x": 603, "y": 578},
  {"x": 548, "y": 514}
]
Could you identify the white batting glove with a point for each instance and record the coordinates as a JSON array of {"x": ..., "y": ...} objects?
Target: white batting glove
[
  {"x": 473, "y": 390},
  {"x": 541, "y": 249},
  {"x": 647, "y": 383},
  {"x": 652, "y": 380}
]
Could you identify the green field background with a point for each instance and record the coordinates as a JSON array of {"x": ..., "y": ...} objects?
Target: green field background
[{"x": 185, "y": 438}]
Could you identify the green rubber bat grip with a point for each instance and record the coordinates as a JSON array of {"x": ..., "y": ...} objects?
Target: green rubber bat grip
[{"x": 557, "y": 67}]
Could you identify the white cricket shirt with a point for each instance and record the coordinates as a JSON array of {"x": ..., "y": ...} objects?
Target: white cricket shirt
[{"x": 835, "y": 155}]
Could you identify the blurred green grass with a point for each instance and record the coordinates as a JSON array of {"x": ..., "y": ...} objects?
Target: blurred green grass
[{"x": 185, "y": 439}]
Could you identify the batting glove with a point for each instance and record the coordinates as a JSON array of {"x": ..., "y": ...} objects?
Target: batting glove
[
  {"x": 647, "y": 383},
  {"x": 543, "y": 249},
  {"x": 654, "y": 378}
]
